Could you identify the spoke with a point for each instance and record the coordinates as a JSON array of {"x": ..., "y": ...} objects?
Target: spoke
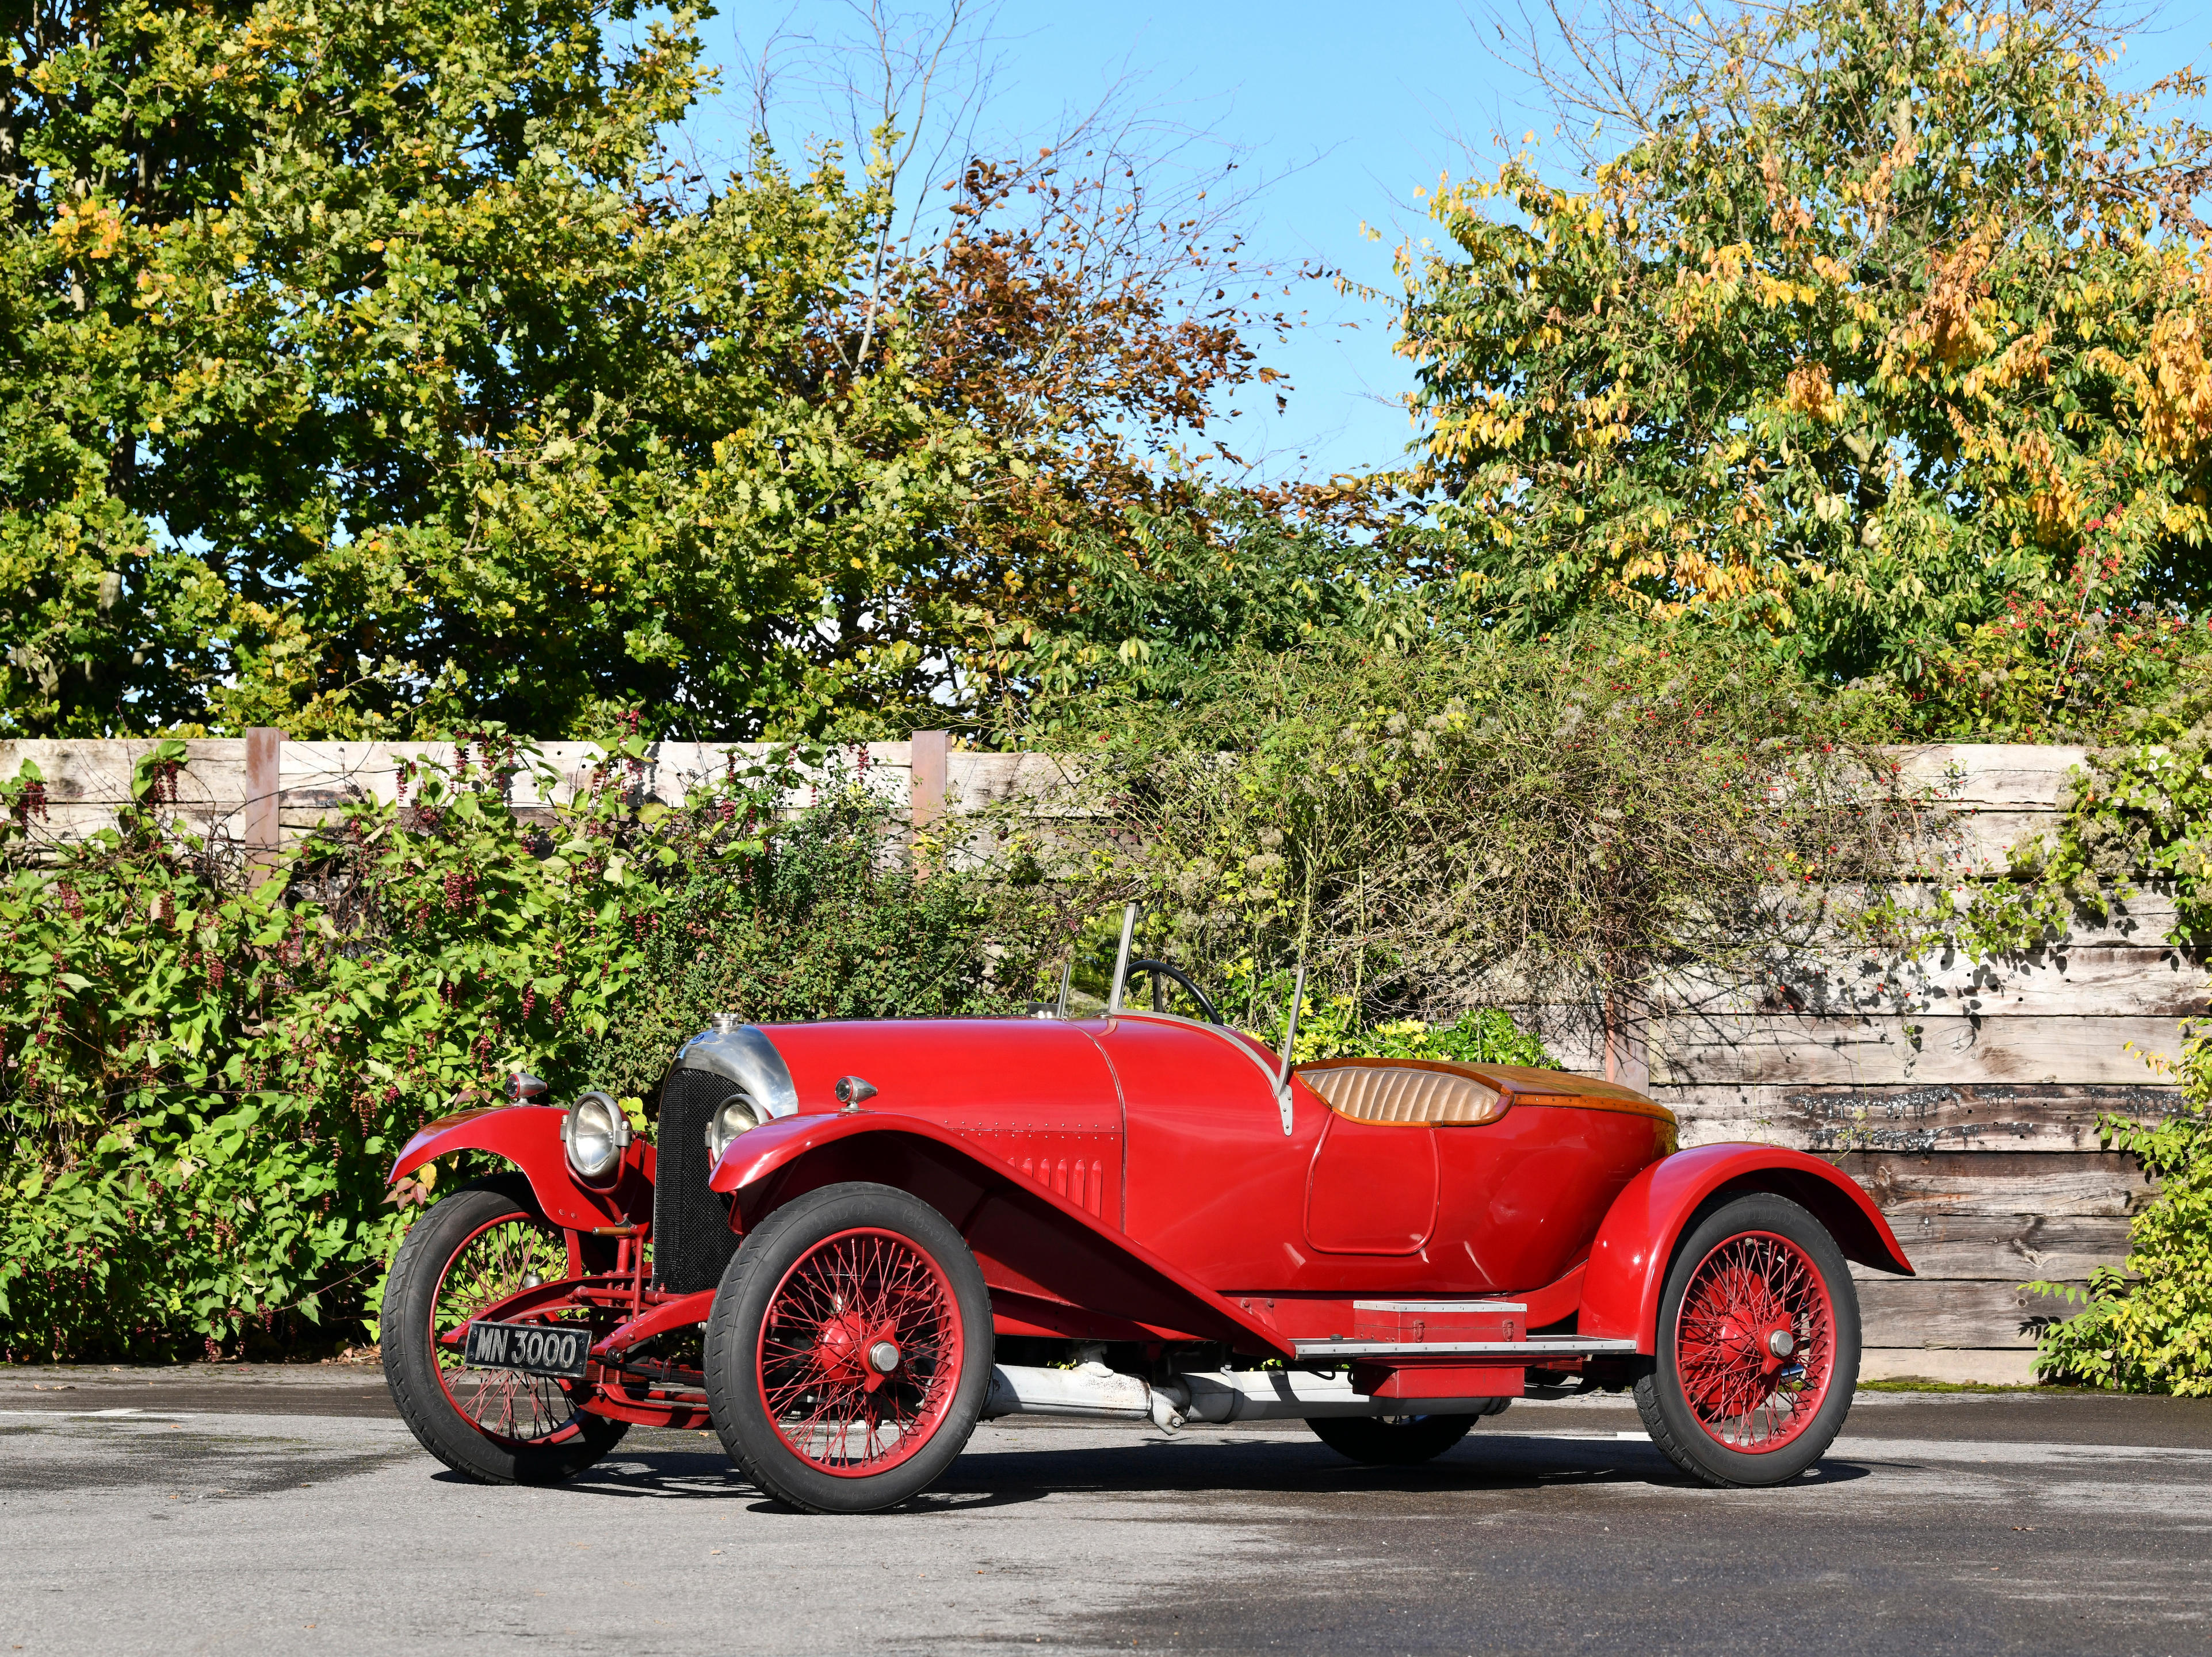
[
  {"x": 491, "y": 1266},
  {"x": 857, "y": 1287},
  {"x": 1748, "y": 1287}
]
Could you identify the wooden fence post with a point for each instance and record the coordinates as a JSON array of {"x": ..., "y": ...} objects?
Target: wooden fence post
[
  {"x": 926, "y": 758},
  {"x": 261, "y": 820}
]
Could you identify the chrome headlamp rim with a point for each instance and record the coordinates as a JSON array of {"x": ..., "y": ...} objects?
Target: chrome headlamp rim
[
  {"x": 735, "y": 1115},
  {"x": 595, "y": 1133}
]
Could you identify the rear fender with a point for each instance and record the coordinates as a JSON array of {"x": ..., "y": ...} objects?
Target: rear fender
[
  {"x": 529, "y": 1136},
  {"x": 1029, "y": 1241},
  {"x": 1636, "y": 1240}
]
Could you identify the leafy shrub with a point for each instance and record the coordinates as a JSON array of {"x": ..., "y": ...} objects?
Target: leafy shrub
[
  {"x": 825, "y": 927},
  {"x": 2137, "y": 812},
  {"x": 201, "y": 1086},
  {"x": 2146, "y": 1327},
  {"x": 1485, "y": 1035},
  {"x": 1464, "y": 820}
]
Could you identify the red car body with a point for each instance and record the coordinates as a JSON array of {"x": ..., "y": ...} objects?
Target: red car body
[{"x": 1140, "y": 1183}]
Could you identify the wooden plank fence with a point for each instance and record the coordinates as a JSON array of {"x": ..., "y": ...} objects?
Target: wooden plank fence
[{"x": 1970, "y": 1114}]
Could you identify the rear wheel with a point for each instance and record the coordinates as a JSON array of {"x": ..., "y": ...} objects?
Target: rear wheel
[
  {"x": 471, "y": 1250},
  {"x": 1759, "y": 1346},
  {"x": 849, "y": 1349},
  {"x": 1406, "y": 1442}
]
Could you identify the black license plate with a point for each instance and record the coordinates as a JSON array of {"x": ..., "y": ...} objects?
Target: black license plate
[{"x": 557, "y": 1350}]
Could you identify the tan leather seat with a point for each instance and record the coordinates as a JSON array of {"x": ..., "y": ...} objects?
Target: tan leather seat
[{"x": 1383, "y": 1090}]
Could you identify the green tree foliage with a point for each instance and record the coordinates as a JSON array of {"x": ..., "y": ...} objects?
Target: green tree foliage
[
  {"x": 1153, "y": 607},
  {"x": 287, "y": 288},
  {"x": 368, "y": 367},
  {"x": 1881, "y": 335},
  {"x": 203, "y": 1087}
]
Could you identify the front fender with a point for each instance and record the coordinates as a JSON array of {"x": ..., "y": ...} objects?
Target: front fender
[
  {"x": 1635, "y": 1245},
  {"x": 1029, "y": 1239},
  {"x": 529, "y": 1136}
]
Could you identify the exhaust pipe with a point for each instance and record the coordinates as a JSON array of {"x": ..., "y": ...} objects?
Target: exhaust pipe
[{"x": 1092, "y": 1391}]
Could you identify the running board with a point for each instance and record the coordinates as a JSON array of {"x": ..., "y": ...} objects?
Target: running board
[
  {"x": 1560, "y": 1346},
  {"x": 1092, "y": 1391}
]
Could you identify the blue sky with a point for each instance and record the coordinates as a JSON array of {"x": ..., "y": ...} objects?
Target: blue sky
[{"x": 1344, "y": 112}]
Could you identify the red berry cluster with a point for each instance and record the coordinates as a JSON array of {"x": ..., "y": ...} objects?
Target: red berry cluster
[{"x": 461, "y": 890}]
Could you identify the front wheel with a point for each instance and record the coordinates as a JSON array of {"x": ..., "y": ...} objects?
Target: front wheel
[
  {"x": 849, "y": 1349},
  {"x": 1759, "y": 1346},
  {"x": 1406, "y": 1442},
  {"x": 472, "y": 1249}
]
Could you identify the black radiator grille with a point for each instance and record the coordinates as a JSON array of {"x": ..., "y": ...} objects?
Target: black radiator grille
[{"x": 691, "y": 1236}]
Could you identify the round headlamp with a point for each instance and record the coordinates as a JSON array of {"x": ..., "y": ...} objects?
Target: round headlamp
[
  {"x": 595, "y": 1133},
  {"x": 730, "y": 1118}
]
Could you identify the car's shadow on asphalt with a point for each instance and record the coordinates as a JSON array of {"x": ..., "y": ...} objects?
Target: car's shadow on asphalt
[
  {"x": 1195, "y": 1463},
  {"x": 1194, "y": 1466},
  {"x": 697, "y": 1475}
]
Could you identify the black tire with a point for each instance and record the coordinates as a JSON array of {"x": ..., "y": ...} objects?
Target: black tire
[
  {"x": 552, "y": 1446},
  {"x": 1699, "y": 1439},
  {"x": 1406, "y": 1442},
  {"x": 786, "y": 1267}
]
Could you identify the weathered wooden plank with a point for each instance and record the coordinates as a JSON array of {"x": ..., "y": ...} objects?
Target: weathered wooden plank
[
  {"x": 1951, "y": 1116},
  {"x": 2122, "y": 982},
  {"x": 673, "y": 770},
  {"x": 1911, "y": 1312},
  {"x": 1989, "y": 773},
  {"x": 2142, "y": 922},
  {"x": 2009, "y": 1248},
  {"x": 1042, "y": 782},
  {"x": 1985, "y": 1366},
  {"x": 319, "y": 777},
  {"x": 1978, "y": 842},
  {"x": 1945, "y": 1186},
  {"x": 1805, "y": 1051},
  {"x": 87, "y": 781}
]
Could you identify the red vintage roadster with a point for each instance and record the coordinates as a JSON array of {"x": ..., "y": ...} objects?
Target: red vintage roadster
[{"x": 854, "y": 1240}]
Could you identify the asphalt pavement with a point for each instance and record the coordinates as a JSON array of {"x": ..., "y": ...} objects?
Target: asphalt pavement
[{"x": 285, "y": 1510}]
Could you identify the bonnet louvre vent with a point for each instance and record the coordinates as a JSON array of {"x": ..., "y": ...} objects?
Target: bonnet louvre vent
[{"x": 691, "y": 1237}]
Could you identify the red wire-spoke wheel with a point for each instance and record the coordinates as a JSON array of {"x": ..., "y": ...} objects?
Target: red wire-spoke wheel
[
  {"x": 503, "y": 1256},
  {"x": 472, "y": 1249},
  {"x": 1754, "y": 1342},
  {"x": 848, "y": 1351},
  {"x": 1759, "y": 1345},
  {"x": 860, "y": 1352}
]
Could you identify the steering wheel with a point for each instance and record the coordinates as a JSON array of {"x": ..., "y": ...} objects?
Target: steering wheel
[{"x": 1162, "y": 970}]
